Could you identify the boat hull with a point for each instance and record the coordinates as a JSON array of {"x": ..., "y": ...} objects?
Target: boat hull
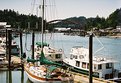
[
  {"x": 82, "y": 71},
  {"x": 37, "y": 79},
  {"x": 34, "y": 80}
]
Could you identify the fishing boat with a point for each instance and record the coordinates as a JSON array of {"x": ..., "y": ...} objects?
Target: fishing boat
[
  {"x": 102, "y": 67},
  {"x": 50, "y": 53},
  {"x": 46, "y": 71}
]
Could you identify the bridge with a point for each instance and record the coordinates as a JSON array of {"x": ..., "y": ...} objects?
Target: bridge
[{"x": 65, "y": 21}]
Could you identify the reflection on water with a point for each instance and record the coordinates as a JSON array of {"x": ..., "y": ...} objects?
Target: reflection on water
[
  {"x": 28, "y": 81},
  {"x": 9, "y": 76},
  {"x": 13, "y": 77}
]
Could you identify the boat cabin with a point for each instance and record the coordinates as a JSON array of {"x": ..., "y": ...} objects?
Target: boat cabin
[
  {"x": 79, "y": 61},
  {"x": 50, "y": 53}
]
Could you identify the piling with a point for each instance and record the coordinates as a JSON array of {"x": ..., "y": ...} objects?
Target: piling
[
  {"x": 9, "y": 47},
  {"x": 90, "y": 58},
  {"x": 22, "y": 76},
  {"x": 6, "y": 44},
  {"x": 10, "y": 76},
  {"x": 33, "y": 37},
  {"x": 21, "y": 47}
]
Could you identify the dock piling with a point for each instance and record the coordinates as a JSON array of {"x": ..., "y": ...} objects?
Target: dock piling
[
  {"x": 90, "y": 58},
  {"x": 33, "y": 36},
  {"x": 8, "y": 49}
]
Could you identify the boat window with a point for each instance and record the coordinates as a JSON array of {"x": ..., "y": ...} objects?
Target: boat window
[
  {"x": 77, "y": 63},
  {"x": 100, "y": 66},
  {"x": 83, "y": 65},
  {"x": 71, "y": 57},
  {"x": 81, "y": 56},
  {"x": 87, "y": 65},
  {"x": 108, "y": 65},
  {"x": 75, "y": 57},
  {"x": 94, "y": 66},
  {"x": 0, "y": 41},
  {"x": 58, "y": 55}
]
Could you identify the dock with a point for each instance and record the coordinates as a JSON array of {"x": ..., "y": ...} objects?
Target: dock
[
  {"x": 81, "y": 78},
  {"x": 15, "y": 64}
]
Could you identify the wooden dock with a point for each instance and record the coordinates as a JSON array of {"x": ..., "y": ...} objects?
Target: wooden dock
[
  {"x": 78, "y": 78},
  {"x": 81, "y": 78},
  {"x": 14, "y": 65}
]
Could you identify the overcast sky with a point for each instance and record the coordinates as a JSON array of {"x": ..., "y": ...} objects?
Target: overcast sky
[{"x": 64, "y": 8}]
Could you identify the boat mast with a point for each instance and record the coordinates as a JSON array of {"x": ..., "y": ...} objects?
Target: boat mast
[{"x": 42, "y": 23}]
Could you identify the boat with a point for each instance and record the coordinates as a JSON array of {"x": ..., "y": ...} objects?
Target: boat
[
  {"x": 14, "y": 47},
  {"x": 50, "y": 53},
  {"x": 102, "y": 67},
  {"x": 47, "y": 72},
  {"x": 43, "y": 70}
]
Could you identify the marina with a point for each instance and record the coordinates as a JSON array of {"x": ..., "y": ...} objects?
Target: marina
[
  {"x": 37, "y": 49},
  {"x": 115, "y": 44}
]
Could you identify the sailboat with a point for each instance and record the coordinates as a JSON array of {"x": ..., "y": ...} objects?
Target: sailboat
[{"x": 47, "y": 71}]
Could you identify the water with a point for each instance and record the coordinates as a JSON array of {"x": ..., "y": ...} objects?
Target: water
[{"x": 111, "y": 48}]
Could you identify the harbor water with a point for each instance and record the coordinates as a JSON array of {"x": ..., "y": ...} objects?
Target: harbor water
[{"x": 102, "y": 46}]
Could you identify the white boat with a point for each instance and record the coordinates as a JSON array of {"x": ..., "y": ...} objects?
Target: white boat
[
  {"x": 14, "y": 47},
  {"x": 50, "y": 53},
  {"x": 46, "y": 71},
  {"x": 102, "y": 67}
]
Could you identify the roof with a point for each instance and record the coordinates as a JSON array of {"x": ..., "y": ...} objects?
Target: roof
[{"x": 100, "y": 61}]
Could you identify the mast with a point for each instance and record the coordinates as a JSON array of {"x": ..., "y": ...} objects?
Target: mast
[{"x": 42, "y": 23}]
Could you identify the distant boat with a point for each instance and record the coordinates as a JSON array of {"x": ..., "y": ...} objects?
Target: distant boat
[
  {"x": 102, "y": 67},
  {"x": 42, "y": 70}
]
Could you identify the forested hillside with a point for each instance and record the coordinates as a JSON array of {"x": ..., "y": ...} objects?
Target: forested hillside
[{"x": 20, "y": 20}]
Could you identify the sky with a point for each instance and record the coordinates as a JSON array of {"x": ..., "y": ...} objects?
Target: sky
[{"x": 61, "y": 9}]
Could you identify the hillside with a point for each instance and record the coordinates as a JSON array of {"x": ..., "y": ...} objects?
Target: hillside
[{"x": 20, "y": 20}]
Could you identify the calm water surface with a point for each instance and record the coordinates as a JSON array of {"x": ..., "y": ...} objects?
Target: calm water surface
[{"x": 111, "y": 48}]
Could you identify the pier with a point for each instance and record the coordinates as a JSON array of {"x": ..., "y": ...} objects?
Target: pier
[
  {"x": 81, "y": 78},
  {"x": 15, "y": 64}
]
